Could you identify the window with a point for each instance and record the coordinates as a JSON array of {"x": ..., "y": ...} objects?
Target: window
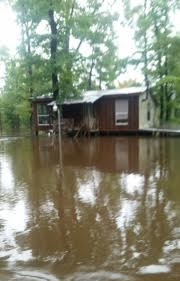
[
  {"x": 121, "y": 112},
  {"x": 42, "y": 114}
]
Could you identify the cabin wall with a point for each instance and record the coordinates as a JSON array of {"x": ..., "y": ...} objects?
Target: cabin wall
[
  {"x": 148, "y": 115},
  {"x": 105, "y": 108}
]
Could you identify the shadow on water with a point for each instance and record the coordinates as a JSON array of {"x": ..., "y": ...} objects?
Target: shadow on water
[{"x": 114, "y": 215}]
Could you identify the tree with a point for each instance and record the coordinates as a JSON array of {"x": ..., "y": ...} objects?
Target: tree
[
  {"x": 74, "y": 26},
  {"x": 174, "y": 77},
  {"x": 53, "y": 51},
  {"x": 66, "y": 46},
  {"x": 153, "y": 31}
]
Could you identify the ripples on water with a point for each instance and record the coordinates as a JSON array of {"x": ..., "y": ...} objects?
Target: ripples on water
[{"x": 113, "y": 216}]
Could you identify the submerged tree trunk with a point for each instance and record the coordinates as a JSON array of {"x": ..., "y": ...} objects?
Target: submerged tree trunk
[{"x": 53, "y": 50}]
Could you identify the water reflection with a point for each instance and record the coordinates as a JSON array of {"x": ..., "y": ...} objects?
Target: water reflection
[
  {"x": 113, "y": 216},
  {"x": 6, "y": 176}
]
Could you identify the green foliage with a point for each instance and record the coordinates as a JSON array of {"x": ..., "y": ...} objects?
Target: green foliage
[
  {"x": 158, "y": 50},
  {"x": 14, "y": 103},
  {"x": 86, "y": 55}
]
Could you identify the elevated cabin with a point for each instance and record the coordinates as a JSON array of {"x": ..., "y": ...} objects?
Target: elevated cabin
[
  {"x": 103, "y": 111},
  {"x": 112, "y": 111}
]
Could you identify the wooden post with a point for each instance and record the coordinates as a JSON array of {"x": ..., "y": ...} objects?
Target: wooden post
[{"x": 60, "y": 139}]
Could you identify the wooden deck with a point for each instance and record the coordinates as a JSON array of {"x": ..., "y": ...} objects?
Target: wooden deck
[
  {"x": 79, "y": 132},
  {"x": 160, "y": 132},
  {"x": 76, "y": 132}
]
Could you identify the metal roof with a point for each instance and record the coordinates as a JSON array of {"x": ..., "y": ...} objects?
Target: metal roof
[
  {"x": 44, "y": 96},
  {"x": 92, "y": 96}
]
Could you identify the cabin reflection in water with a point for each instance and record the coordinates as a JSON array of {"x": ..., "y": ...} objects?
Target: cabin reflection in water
[{"x": 106, "y": 154}]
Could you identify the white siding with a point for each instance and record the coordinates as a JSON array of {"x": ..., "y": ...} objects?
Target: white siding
[{"x": 146, "y": 105}]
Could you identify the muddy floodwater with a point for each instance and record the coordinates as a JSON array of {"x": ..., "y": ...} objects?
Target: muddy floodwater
[{"x": 113, "y": 215}]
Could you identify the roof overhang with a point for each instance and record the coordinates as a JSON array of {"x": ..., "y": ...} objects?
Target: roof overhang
[{"x": 93, "y": 96}]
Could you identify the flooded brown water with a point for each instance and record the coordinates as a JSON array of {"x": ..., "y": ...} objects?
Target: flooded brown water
[{"x": 115, "y": 214}]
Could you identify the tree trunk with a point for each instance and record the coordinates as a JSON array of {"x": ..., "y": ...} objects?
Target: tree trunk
[
  {"x": 160, "y": 71},
  {"x": 53, "y": 49},
  {"x": 162, "y": 53},
  {"x": 167, "y": 96},
  {"x": 145, "y": 54},
  {"x": 30, "y": 71},
  {"x": 90, "y": 76},
  {"x": 26, "y": 31}
]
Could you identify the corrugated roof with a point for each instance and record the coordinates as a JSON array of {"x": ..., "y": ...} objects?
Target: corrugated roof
[
  {"x": 92, "y": 96},
  {"x": 44, "y": 96}
]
